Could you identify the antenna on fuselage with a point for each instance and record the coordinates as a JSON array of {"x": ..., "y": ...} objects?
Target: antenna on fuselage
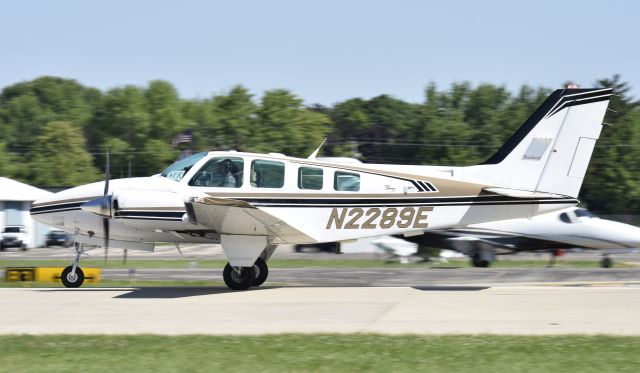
[{"x": 315, "y": 152}]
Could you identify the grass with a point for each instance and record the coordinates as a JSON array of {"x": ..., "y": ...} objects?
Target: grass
[{"x": 319, "y": 353}]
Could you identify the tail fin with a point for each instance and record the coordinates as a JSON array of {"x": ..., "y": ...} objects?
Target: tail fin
[{"x": 550, "y": 152}]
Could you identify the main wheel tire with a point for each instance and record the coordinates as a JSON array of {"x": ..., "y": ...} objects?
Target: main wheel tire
[
  {"x": 261, "y": 271},
  {"x": 238, "y": 281},
  {"x": 478, "y": 262},
  {"x": 70, "y": 279},
  {"x": 606, "y": 262}
]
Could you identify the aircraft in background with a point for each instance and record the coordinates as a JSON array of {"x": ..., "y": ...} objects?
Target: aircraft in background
[
  {"x": 250, "y": 203},
  {"x": 565, "y": 229}
]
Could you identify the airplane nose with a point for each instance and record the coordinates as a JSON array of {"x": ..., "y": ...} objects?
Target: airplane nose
[
  {"x": 628, "y": 235},
  {"x": 633, "y": 238}
]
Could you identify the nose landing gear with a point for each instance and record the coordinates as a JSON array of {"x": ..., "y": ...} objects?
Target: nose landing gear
[{"x": 72, "y": 276}]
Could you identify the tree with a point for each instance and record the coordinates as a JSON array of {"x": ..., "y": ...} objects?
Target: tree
[
  {"x": 285, "y": 126},
  {"x": 25, "y": 108},
  {"x": 157, "y": 155},
  {"x": 164, "y": 108},
  {"x": 7, "y": 165},
  {"x": 61, "y": 158},
  {"x": 612, "y": 184},
  {"x": 236, "y": 118},
  {"x": 122, "y": 114}
]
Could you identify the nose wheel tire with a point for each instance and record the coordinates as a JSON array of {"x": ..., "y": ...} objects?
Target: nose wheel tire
[
  {"x": 240, "y": 279},
  {"x": 70, "y": 279},
  {"x": 261, "y": 270}
]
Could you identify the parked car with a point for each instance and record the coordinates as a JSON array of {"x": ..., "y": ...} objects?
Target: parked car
[
  {"x": 14, "y": 236},
  {"x": 58, "y": 238}
]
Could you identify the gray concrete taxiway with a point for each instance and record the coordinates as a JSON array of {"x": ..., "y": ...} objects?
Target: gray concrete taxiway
[{"x": 393, "y": 310}]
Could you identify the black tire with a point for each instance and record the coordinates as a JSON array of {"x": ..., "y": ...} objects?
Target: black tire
[
  {"x": 261, "y": 271},
  {"x": 478, "y": 262},
  {"x": 23, "y": 247},
  {"x": 606, "y": 262},
  {"x": 241, "y": 281},
  {"x": 72, "y": 281}
]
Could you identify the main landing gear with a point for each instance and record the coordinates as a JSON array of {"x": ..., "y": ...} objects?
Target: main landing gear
[
  {"x": 72, "y": 276},
  {"x": 606, "y": 261},
  {"x": 242, "y": 278}
]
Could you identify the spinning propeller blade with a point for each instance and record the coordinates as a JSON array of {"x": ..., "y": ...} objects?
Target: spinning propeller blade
[{"x": 108, "y": 201}]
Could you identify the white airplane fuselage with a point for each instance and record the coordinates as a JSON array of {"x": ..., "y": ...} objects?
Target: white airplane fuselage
[{"x": 152, "y": 209}]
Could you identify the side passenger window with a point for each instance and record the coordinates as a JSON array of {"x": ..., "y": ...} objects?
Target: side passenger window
[
  {"x": 310, "y": 178},
  {"x": 267, "y": 174},
  {"x": 344, "y": 181}
]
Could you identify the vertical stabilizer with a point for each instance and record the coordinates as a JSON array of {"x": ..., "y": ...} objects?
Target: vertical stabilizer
[{"x": 551, "y": 151}]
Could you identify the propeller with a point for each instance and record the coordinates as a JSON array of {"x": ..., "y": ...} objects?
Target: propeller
[
  {"x": 107, "y": 205},
  {"x": 103, "y": 206}
]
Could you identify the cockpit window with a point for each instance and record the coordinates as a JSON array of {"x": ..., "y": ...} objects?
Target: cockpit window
[
  {"x": 583, "y": 213},
  {"x": 177, "y": 170},
  {"x": 220, "y": 172},
  {"x": 565, "y": 217}
]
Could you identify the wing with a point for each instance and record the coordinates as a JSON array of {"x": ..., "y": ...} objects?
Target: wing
[{"x": 230, "y": 216}]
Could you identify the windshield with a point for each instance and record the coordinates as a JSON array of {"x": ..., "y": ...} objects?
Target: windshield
[
  {"x": 12, "y": 230},
  {"x": 177, "y": 170},
  {"x": 584, "y": 213}
]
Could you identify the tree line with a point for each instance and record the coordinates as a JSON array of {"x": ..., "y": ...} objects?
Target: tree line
[{"x": 55, "y": 131}]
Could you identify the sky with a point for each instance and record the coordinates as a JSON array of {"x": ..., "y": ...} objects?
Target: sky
[{"x": 323, "y": 51}]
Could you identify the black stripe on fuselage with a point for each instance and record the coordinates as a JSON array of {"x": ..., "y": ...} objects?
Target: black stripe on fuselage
[
  {"x": 330, "y": 203},
  {"x": 335, "y": 202},
  {"x": 56, "y": 208},
  {"x": 130, "y": 214}
]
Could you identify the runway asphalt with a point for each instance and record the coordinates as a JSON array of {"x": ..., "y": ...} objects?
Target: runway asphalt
[
  {"x": 390, "y": 310},
  {"x": 334, "y": 300},
  {"x": 400, "y": 276}
]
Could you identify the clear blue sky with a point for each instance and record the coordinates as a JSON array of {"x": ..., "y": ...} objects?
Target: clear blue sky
[{"x": 324, "y": 51}]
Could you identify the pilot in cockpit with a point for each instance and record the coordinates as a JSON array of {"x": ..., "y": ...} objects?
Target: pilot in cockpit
[{"x": 225, "y": 175}]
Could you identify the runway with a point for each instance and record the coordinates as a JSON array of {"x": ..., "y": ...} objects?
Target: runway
[
  {"x": 409, "y": 277},
  {"x": 535, "y": 310},
  {"x": 391, "y": 300}
]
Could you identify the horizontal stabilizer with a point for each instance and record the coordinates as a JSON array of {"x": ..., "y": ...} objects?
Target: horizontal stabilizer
[{"x": 517, "y": 193}]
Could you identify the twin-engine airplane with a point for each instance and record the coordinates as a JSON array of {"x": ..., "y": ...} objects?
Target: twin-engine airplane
[{"x": 249, "y": 203}]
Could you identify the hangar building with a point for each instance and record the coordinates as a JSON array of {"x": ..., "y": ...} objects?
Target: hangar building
[{"x": 15, "y": 201}]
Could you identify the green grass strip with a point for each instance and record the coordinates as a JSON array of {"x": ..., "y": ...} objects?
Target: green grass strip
[{"x": 318, "y": 353}]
